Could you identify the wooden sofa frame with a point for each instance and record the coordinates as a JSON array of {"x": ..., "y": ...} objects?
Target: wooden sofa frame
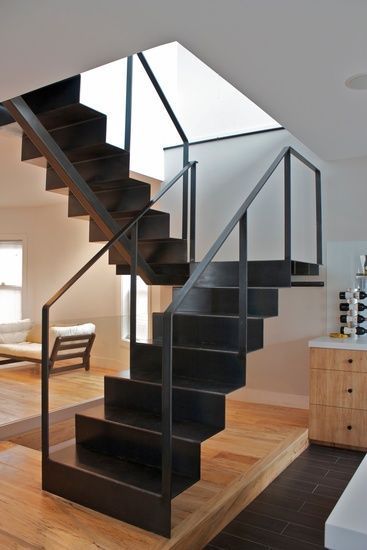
[{"x": 82, "y": 344}]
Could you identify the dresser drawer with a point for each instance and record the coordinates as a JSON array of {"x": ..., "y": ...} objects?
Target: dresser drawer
[
  {"x": 338, "y": 389},
  {"x": 338, "y": 359},
  {"x": 338, "y": 426}
]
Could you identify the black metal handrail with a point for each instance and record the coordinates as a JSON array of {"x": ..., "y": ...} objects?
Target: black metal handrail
[
  {"x": 133, "y": 227},
  {"x": 174, "y": 119},
  {"x": 239, "y": 218}
]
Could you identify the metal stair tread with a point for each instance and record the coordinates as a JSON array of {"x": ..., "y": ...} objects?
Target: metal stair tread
[
  {"x": 158, "y": 342},
  {"x": 97, "y": 151},
  {"x": 119, "y": 470},
  {"x": 232, "y": 287},
  {"x": 165, "y": 240},
  {"x": 210, "y": 314},
  {"x": 112, "y": 185},
  {"x": 209, "y": 386},
  {"x": 133, "y": 213},
  {"x": 116, "y": 183},
  {"x": 148, "y": 421},
  {"x": 68, "y": 115}
]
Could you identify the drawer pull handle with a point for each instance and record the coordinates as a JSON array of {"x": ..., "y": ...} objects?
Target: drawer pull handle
[
  {"x": 350, "y": 360},
  {"x": 349, "y": 427},
  {"x": 350, "y": 390}
]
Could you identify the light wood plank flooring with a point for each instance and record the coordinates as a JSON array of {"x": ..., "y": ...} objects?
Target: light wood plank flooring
[
  {"x": 20, "y": 391},
  {"x": 237, "y": 464}
]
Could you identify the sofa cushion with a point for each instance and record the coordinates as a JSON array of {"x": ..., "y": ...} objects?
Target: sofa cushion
[
  {"x": 71, "y": 330},
  {"x": 15, "y": 332},
  {"x": 30, "y": 350},
  {"x": 75, "y": 330}
]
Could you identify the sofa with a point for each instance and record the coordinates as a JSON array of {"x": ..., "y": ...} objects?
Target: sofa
[{"x": 21, "y": 341}]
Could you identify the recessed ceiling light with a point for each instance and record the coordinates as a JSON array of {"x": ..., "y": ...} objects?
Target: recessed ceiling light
[{"x": 357, "y": 82}]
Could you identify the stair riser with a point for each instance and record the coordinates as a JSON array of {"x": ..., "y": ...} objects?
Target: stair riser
[
  {"x": 197, "y": 364},
  {"x": 272, "y": 274},
  {"x": 177, "y": 274},
  {"x": 202, "y": 331},
  {"x": 136, "y": 445},
  {"x": 261, "y": 301},
  {"x": 95, "y": 170},
  {"x": 115, "y": 200},
  {"x": 150, "y": 227},
  {"x": 156, "y": 252},
  {"x": 90, "y": 132},
  {"x": 50, "y": 97},
  {"x": 191, "y": 405},
  {"x": 123, "y": 502},
  {"x": 304, "y": 268}
]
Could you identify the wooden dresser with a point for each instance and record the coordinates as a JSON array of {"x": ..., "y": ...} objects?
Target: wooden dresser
[{"x": 338, "y": 392}]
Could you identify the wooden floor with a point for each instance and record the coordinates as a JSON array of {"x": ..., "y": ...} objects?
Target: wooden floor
[
  {"x": 237, "y": 464},
  {"x": 20, "y": 391}
]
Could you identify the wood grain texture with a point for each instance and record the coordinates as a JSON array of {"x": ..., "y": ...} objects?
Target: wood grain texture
[
  {"x": 338, "y": 397},
  {"x": 59, "y": 432},
  {"x": 238, "y": 463},
  {"x": 338, "y": 360},
  {"x": 20, "y": 390},
  {"x": 338, "y": 426},
  {"x": 338, "y": 389}
]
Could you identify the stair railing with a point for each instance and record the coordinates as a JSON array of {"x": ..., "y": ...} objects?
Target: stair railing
[
  {"x": 175, "y": 121},
  {"x": 239, "y": 218},
  {"x": 133, "y": 228}
]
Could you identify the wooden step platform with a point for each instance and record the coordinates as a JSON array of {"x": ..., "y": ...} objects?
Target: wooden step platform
[
  {"x": 20, "y": 396},
  {"x": 237, "y": 464}
]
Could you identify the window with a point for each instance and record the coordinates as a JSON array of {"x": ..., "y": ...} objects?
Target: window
[
  {"x": 142, "y": 308},
  {"x": 11, "y": 275}
]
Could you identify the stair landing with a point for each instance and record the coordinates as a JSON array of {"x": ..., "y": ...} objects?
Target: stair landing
[{"x": 237, "y": 464}]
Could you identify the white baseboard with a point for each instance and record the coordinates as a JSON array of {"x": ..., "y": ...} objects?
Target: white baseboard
[
  {"x": 107, "y": 362},
  {"x": 250, "y": 395}
]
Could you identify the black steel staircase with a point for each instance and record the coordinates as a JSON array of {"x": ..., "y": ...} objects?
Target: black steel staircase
[{"x": 142, "y": 448}]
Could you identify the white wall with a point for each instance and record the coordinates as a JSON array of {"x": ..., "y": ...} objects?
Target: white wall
[
  {"x": 205, "y": 104},
  {"x": 55, "y": 248},
  {"x": 346, "y": 229},
  {"x": 209, "y": 105},
  {"x": 227, "y": 171}
]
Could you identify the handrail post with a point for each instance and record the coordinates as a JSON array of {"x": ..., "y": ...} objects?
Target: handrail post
[
  {"x": 243, "y": 288},
  {"x": 192, "y": 250},
  {"x": 133, "y": 275},
  {"x": 45, "y": 385},
  {"x": 128, "y": 102},
  {"x": 318, "y": 217},
  {"x": 166, "y": 489},
  {"x": 185, "y": 192},
  {"x": 287, "y": 206}
]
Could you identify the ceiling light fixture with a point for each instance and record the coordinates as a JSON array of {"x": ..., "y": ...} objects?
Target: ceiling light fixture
[{"x": 357, "y": 82}]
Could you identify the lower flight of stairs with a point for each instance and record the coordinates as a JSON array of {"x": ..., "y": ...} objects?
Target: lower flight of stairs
[
  {"x": 114, "y": 466},
  {"x": 117, "y": 452}
]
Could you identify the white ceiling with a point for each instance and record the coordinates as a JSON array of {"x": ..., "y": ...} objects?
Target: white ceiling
[
  {"x": 290, "y": 56},
  {"x": 21, "y": 184}
]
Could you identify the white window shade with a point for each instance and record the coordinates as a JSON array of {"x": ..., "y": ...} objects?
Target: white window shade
[
  {"x": 11, "y": 275},
  {"x": 142, "y": 309}
]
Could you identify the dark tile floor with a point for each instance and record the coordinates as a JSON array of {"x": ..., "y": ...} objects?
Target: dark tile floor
[{"x": 290, "y": 514}]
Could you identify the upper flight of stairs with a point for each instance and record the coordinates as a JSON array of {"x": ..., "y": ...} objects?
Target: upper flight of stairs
[{"x": 114, "y": 466}]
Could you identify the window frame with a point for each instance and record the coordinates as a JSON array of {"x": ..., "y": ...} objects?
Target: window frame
[
  {"x": 22, "y": 238},
  {"x": 124, "y": 307}
]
